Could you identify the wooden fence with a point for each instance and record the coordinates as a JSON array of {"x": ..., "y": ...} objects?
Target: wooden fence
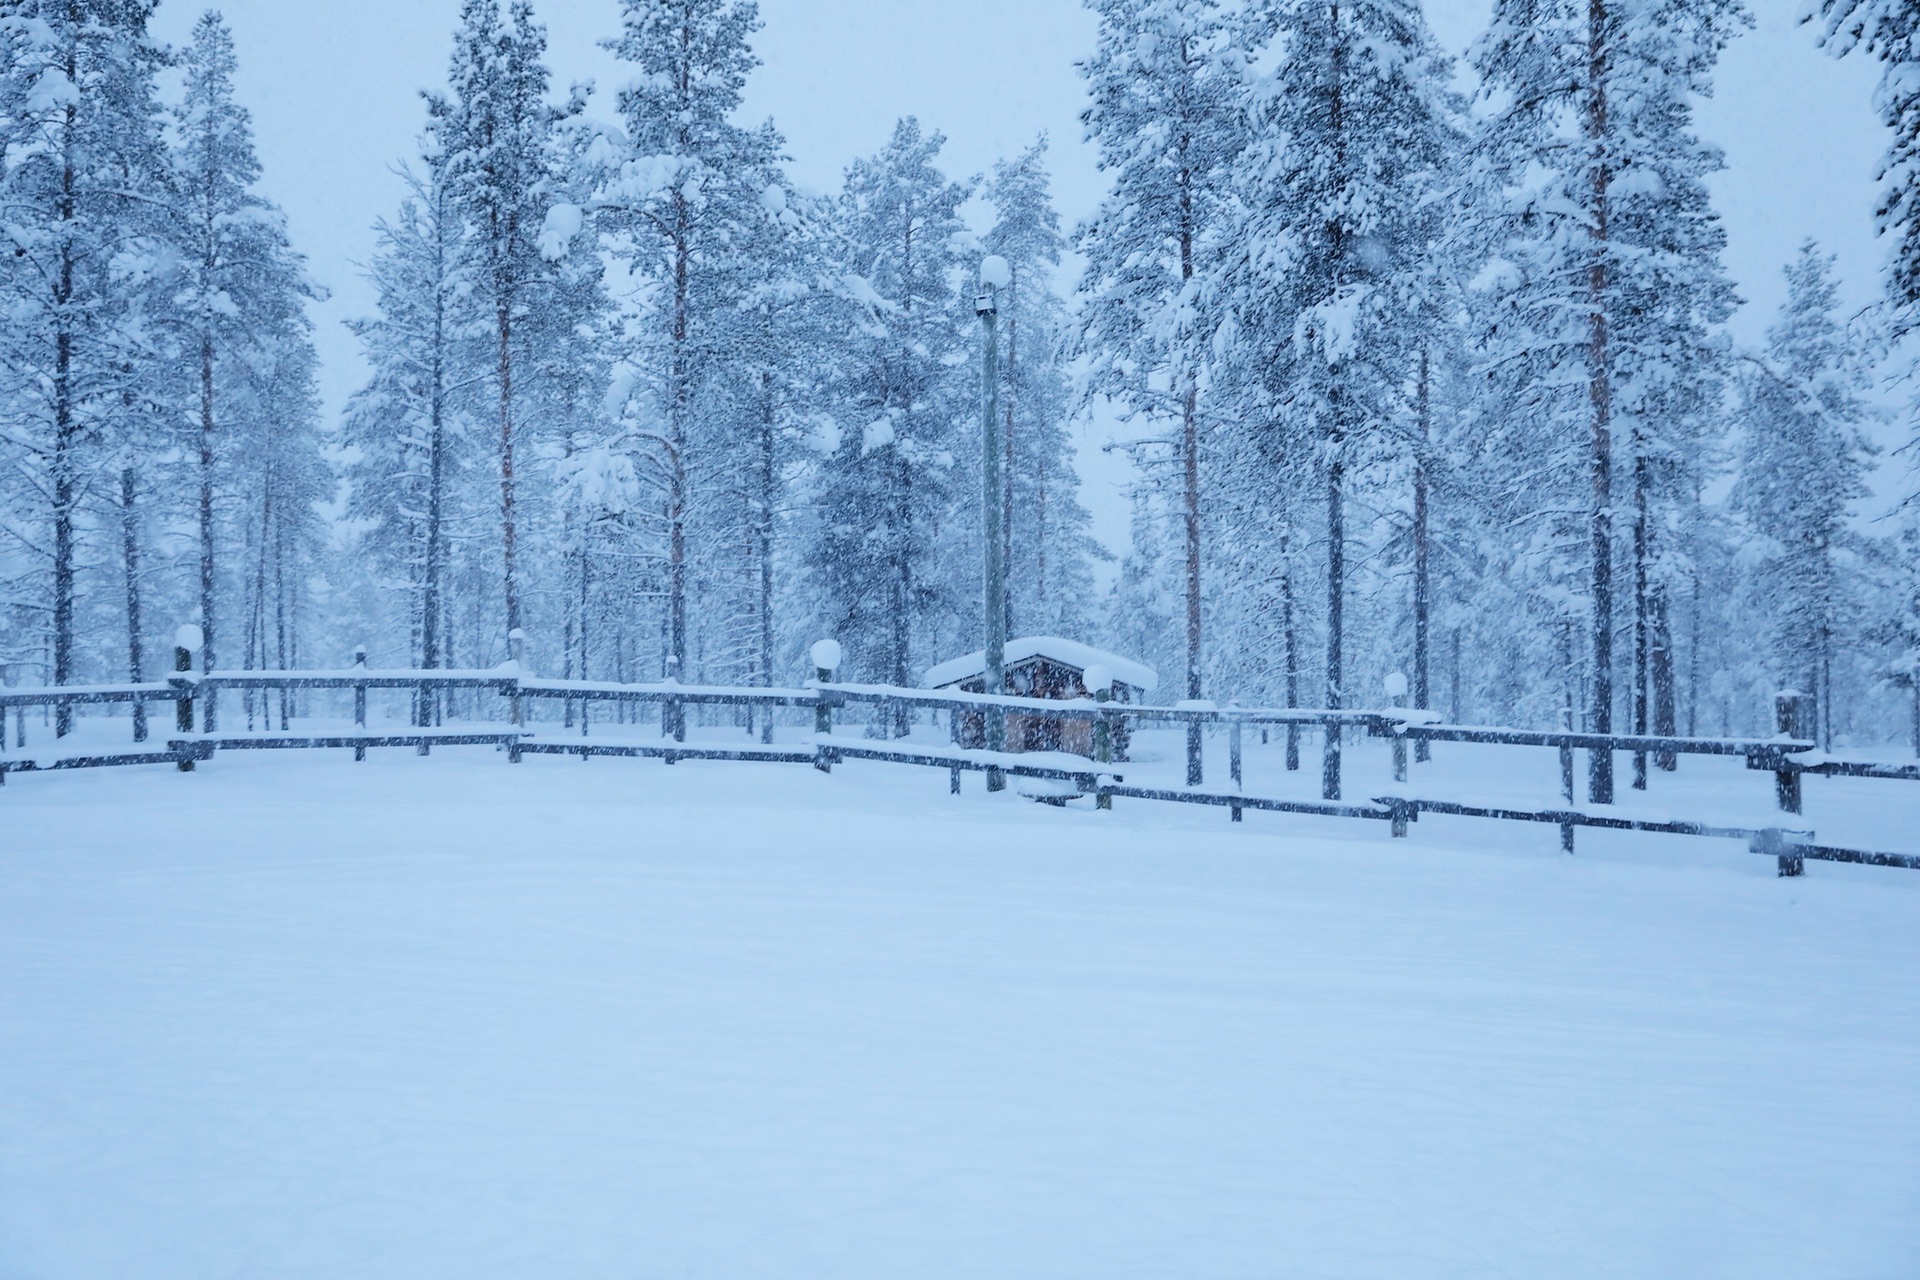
[{"x": 1788, "y": 756}]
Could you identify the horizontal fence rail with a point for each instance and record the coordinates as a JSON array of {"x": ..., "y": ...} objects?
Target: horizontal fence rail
[
  {"x": 81, "y": 695},
  {"x": 1789, "y": 755}
]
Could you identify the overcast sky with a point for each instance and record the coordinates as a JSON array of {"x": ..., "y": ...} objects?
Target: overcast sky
[{"x": 334, "y": 90}]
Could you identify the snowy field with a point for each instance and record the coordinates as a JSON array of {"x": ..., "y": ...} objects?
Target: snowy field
[{"x": 297, "y": 1017}]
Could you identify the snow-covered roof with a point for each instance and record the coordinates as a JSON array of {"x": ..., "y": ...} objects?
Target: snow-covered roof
[{"x": 1069, "y": 653}]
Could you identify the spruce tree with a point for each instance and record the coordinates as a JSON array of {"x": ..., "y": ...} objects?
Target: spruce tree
[{"x": 1043, "y": 524}]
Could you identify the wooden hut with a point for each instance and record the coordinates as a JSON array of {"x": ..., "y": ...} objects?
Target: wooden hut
[{"x": 1042, "y": 667}]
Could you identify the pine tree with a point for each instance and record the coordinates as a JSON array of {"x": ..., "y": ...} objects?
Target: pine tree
[
  {"x": 282, "y": 479},
  {"x": 572, "y": 339},
  {"x": 1163, "y": 79},
  {"x": 1803, "y": 466},
  {"x": 1888, "y": 31},
  {"x": 494, "y": 133},
  {"x": 82, "y": 174},
  {"x": 1146, "y": 599},
  {"x": 684, "y": 194},
  {"x": 406, "y": 425},
  {"x": 1045, "y": 528},
  {"x": 1604, "y": 257},
  {"x": 241, "y": 306},
  {"x": 888, "y": 561},
  {"x": 791, "y": 320},
  {"x": 1344, "y": 186}
]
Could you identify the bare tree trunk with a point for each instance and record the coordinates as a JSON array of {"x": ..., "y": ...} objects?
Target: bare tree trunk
[
  {"x": 1422, "y": 580},
  {"x": 765, "y": 517},
  {"x": 130, "y": 558},
  {"x": 509, "y": 533},
  {"x": 280, "y": 625},
  {"x": 1291, "y": 639},
  {"x": 678, "y": 406},
  {"x": 209, "y": 702},
  {"x": 1693, "y": 654},
  {"x": 66, "y": 432},
  {"x": 1006, "y": 470},
  {"x": 1600, "y": 398},
  {"x": 902, "y": 584},
  {"x": 903, "y": 495},
  {"x": 1190, "y": 460},
  {"x": 1336, "y": 614},
  {"x": 1642, "y": 639},
  {"x": 585, "y": 606},
  {"x": 432, "y": 604},
  {"x": 1826, "y": 689},
  {"x": 1336, "y": 446},
  {"x": 1190, "y": 455},
  {"x": 1040, "y": 595},
  {"x": 1665, "y": 706},
  {"x": 254, "y": 636},
  {"x": 1454, "y": 711}
]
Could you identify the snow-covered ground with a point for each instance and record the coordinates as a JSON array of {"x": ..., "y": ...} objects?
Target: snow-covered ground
[{"x": 296, "y": 1017}]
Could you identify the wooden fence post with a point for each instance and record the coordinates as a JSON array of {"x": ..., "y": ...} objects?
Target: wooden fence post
[
  {"x": 1773, "y": 841},
  {"x": 1234, "y": 763},
  {"x": 185, "y": 641},
  {"x": 673, "y": 714},
  {"x": 517, "y": 650},
  {"x": 1103, "y": 738},
  {"x": 1788, "y": 713},
  {"x": 360, "y": 702},
  {"x": 1566, "y": 793},
  {"x": 1401, "y": 810},
  {"x": 1395, "y": 686},
  {"x": 1235, "y": 745},
  {"x": 1329, "y": 759},
  {"x": 826, "y": 660}
]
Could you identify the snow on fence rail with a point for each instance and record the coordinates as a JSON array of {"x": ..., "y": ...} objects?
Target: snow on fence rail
[{"x": 1788, "y": 755}]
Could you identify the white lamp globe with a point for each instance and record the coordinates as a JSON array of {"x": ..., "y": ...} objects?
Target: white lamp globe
[
  {"x": 826, "y": 655},
  {"x": 1396, "y": 683}
]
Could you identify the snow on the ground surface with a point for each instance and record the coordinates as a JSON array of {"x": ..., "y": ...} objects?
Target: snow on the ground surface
[{"x": 291, "y": 1016}]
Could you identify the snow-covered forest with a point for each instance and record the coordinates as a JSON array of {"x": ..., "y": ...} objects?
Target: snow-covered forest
[{"x": 1423, "y": 362}]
